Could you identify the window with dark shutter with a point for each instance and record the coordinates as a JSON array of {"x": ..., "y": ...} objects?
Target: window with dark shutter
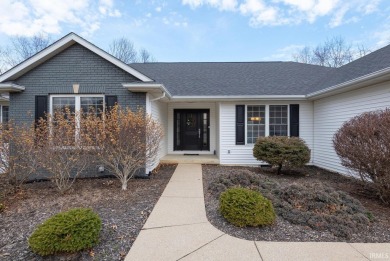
[
  {"x": 111, "y": 101},
  {"x": 240, "y": 124},
  {"x": 40, "y": 107},
  {"x": 294, "y": 120}
]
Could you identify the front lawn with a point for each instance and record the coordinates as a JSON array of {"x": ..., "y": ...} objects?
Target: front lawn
[
  {"x": 123, "y": 213},
  {"x": 336, "y": 214}
]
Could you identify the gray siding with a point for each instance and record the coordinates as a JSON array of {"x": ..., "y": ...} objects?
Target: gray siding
[
  {"x": 79, "y": 65},
  {"x": 74, "y": 65}
]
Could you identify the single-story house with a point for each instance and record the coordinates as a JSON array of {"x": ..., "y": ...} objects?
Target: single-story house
[{"x": 211, "y": 108}]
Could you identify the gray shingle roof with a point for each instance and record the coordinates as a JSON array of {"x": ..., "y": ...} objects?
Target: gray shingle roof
[
  {"x": 257, "y": 78},
  {"x": 238, "y": 78},
  {"x": 375, "y": 61}
]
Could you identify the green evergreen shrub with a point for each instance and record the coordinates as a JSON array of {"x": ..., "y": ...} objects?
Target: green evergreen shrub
[
  {"x": 282, "y": 151},
  {"x": 66, "y": 232},
  {"x": 244, "y": 207}
]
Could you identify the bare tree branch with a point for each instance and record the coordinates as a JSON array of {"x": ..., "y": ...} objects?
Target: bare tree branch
[
  {"x": 145, "y": 56},
  {"x": 334, "y": 52},
  {"x": 124, "y": 50},
  {"x": 20, "y": 49}
]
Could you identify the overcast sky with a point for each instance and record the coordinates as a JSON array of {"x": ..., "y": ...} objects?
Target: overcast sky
[{"x": 204, "y": 30}]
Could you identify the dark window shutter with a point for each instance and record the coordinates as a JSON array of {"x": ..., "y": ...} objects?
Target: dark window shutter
[
  {"x": 240, "y": 124},
  {"x": 294, "y": 120},
  {"x": 111, "y": 101},
  {"x": 40, "y": 107}
]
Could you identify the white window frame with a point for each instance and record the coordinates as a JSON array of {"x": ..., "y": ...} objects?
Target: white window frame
[
  {"x": 267, "y": 110},
  {"x": 77, "y": 105},
  {"x": 288, "y": 116},
  {"x": 77, "y": 100}
]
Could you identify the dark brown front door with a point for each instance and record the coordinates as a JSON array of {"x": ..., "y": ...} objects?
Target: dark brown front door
[{"x": 191, "y": 130}]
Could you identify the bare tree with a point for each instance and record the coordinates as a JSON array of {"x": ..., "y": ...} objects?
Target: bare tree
[
  {"x": 127, "y": 142},
  {"x": 124, "y": 50},
  {"x": 20, "y": 49},
  {"x": 304, "y": 55},
  {"x": 334, "y": 52},
  {"x": 145, "y": 56}
]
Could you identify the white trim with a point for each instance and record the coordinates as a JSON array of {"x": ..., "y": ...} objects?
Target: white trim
[
  {"x": 77, "y": 100},
  {"x": 238, "y": 97},
  {"x": 148, "y": 104},
  {"x": 147, "y": 87},
  {"x": 11, "y": 87},
  {"x": 61, "y": 45}
]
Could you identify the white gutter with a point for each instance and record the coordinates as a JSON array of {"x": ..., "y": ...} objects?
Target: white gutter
[
  {"x": 158, "y": 98},
  {"x": 11, "y": 87},
  {"x": 147, "y": 87},
  {"x": 358, "y": 80},
  {"x": 240, "y": 97}
]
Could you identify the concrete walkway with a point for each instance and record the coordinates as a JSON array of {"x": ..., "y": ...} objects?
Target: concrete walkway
[{"x": 178, "y": 229}]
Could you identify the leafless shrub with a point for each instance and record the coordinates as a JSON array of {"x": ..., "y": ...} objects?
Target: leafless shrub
[
  {"x": 61, "y": 153},
  {"x": 18, "y": 153},
  {"x": 126, "y": 142},
  {"x": 363, "y": 144}
]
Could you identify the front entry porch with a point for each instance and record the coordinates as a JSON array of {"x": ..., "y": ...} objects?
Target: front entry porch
[{"x": 198, "y": 159}]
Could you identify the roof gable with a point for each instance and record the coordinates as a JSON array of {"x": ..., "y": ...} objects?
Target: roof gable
[{"x": 60, "y": 46}]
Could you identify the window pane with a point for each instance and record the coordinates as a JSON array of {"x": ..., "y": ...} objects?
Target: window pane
[
  {"x": 5, "y": 114},
  {"x": 91, "y": 105},
  {"x": 255, "y": 123},
  {"x": 278, "y": 120},
  {"x": 60, "y": 103}
]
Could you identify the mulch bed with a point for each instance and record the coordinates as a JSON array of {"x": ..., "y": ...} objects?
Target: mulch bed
[
  {"x": 282, "y": 230},
  {"x": 123, "y": 213}
]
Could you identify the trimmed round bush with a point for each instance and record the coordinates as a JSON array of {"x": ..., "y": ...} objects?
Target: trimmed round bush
[
  {"x": 66, "y": 232},
  {"x": 244, "y": 207},
  {"x": 282, "y": 151}
]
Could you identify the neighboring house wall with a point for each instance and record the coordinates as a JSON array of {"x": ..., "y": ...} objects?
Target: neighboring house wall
[
  {"x": 193, "y": 105},
  {"x": 331, "y": 112},
  {"x": 243, "y": 154},
  {"x": 79, "y": 65}
]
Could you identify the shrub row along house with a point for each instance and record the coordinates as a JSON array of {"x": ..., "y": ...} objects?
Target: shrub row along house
[{"x": 205, "y": 108}]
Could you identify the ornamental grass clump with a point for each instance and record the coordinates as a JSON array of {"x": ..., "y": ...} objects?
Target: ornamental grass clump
[
  {"x": 282, "y": 151},
  {"x": 244, "y": 207},
  {"x": 66, "y": 232}
]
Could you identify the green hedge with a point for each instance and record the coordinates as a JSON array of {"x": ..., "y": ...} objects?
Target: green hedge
[
  {"x": 66, "y": 232},
  {"x": 244, "y": 207}
]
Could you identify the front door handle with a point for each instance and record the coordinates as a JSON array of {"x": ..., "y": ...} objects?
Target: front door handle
[{"x": 199, "y": 133}]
